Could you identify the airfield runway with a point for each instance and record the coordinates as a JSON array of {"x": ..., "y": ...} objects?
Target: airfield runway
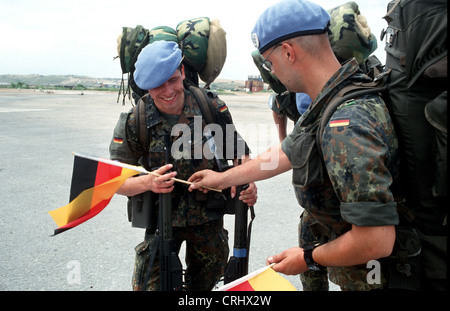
[{"x": 38, "y": 133}]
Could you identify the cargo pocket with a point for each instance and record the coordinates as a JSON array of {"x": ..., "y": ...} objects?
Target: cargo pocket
[
  {"x": 306, "y": 162},
  {"x": 141, "y": 265}
]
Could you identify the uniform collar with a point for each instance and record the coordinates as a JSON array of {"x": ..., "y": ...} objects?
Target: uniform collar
[
  {"x": 334, "y": 84},
  {"x": 346, "y": 71}
]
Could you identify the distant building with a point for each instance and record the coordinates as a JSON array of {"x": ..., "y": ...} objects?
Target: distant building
[{"x": 254, "y": 84}]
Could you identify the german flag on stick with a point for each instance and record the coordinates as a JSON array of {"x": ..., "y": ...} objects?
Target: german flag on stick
[
  {"x": 264, "y": 279},
  {"x": 94, "y": 183}
]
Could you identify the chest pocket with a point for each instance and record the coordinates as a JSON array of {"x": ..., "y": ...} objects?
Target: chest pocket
[
  {"x": 306, "y": 162},
  {"x": 186, "y": 151},
  {"x": 156, "y": 149}
]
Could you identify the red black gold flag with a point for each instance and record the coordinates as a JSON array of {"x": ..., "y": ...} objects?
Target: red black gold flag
[
  {"x": 264, "y": 279},
  {"x": 94, "y": 183}
]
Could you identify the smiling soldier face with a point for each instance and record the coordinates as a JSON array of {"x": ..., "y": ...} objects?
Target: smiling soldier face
[{"x": 169, "y": 97}]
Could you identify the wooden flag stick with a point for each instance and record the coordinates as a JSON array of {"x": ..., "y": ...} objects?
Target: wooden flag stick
[
  {"x": 136, "y": 168},
  {"x": 183, "y": 181}
]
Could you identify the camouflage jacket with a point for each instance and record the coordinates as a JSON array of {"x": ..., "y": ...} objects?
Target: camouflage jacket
[
  {"x": 360, "y": 162},
  {"x": 189, "y": 208}
]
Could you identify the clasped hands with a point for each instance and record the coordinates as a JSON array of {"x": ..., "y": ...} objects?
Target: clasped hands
[{"x": 165, "y": 184}]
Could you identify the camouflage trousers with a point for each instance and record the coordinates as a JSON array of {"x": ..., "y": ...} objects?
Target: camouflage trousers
[
  {"x": 311, "y": 280},
  {"x": 206, "y": 256}
]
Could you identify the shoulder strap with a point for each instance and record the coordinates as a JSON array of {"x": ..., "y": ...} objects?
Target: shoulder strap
[
  {"x": 207, "y": 109},
  {"x": 141, "y": 128},
  {"x": 204, "y": 103}
]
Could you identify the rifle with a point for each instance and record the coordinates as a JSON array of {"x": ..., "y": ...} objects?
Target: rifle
[
  {"x": 237, "y": 266},
  {"x": 170, "y": 266}
]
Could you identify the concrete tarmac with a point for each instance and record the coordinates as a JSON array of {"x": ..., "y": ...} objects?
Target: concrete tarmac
[{"x": 38, "y": 133}]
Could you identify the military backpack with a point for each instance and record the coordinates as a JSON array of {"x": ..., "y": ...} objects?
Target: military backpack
[
  {"x": 414, "y": 88},
  {"x": 202, "y": 41}
]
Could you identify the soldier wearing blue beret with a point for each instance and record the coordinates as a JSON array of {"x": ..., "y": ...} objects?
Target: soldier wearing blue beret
[
  {"x": 347, "y": 189},
  {"x": 196, "y": 219}
]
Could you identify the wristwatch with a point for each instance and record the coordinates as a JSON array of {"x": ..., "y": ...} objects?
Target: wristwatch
[{"x": 310, "y": 263}]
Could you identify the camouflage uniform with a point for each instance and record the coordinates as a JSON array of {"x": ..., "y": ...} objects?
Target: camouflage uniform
[
  {"x": 311, "y": 280},
  {"x": 206, "y": 255},
  {"x": 360, "y": 161},
  {"x": 196, "y": 218}
]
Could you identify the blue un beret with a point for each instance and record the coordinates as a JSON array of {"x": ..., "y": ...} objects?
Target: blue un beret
[
  {"x": 288, "y": 19},
  {"x": 156, "y": 63}
]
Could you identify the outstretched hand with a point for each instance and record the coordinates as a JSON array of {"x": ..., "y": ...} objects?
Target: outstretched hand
[
  {"x": 212, "y": 179},
  {"x": 289, "y": 262},
  {"x": 205, "y": 178}
]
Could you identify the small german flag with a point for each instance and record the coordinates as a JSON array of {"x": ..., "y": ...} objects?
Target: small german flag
[
  {"x": 223, "y": 108},
  {"x": 264, "y": 279},
  {"x": 342, "y": 122},
  {"x": 93, "y": 185},
  {"x": 118, "y": 140}
]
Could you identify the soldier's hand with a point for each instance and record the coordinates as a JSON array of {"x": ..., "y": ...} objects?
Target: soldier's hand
[
  {"x": 249, "y": 195},
  {"x": 163, "y": 183},
  {"x": 289, "y": 262},
  {"x": 205, "y": 178}
]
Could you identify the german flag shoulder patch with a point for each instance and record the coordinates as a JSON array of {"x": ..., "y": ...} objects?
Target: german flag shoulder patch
[
  {"x": 340, "y": 122},
  {"x": 223, "y": 108},
  {"x": 118, "y": 140}
]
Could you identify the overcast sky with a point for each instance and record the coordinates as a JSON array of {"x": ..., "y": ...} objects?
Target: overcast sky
[{"x": 80, "y": 37}]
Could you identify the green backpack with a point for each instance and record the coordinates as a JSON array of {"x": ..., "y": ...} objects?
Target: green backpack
[
  {"x": 350, "y": 35},
  {"x": 202, "y": 41},
  {"x": 129, "y": 44}
]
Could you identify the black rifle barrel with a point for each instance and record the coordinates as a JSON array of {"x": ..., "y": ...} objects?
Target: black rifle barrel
[
  {"x": 171, "y": 271},
  {"x": 238, "y": 264}
]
